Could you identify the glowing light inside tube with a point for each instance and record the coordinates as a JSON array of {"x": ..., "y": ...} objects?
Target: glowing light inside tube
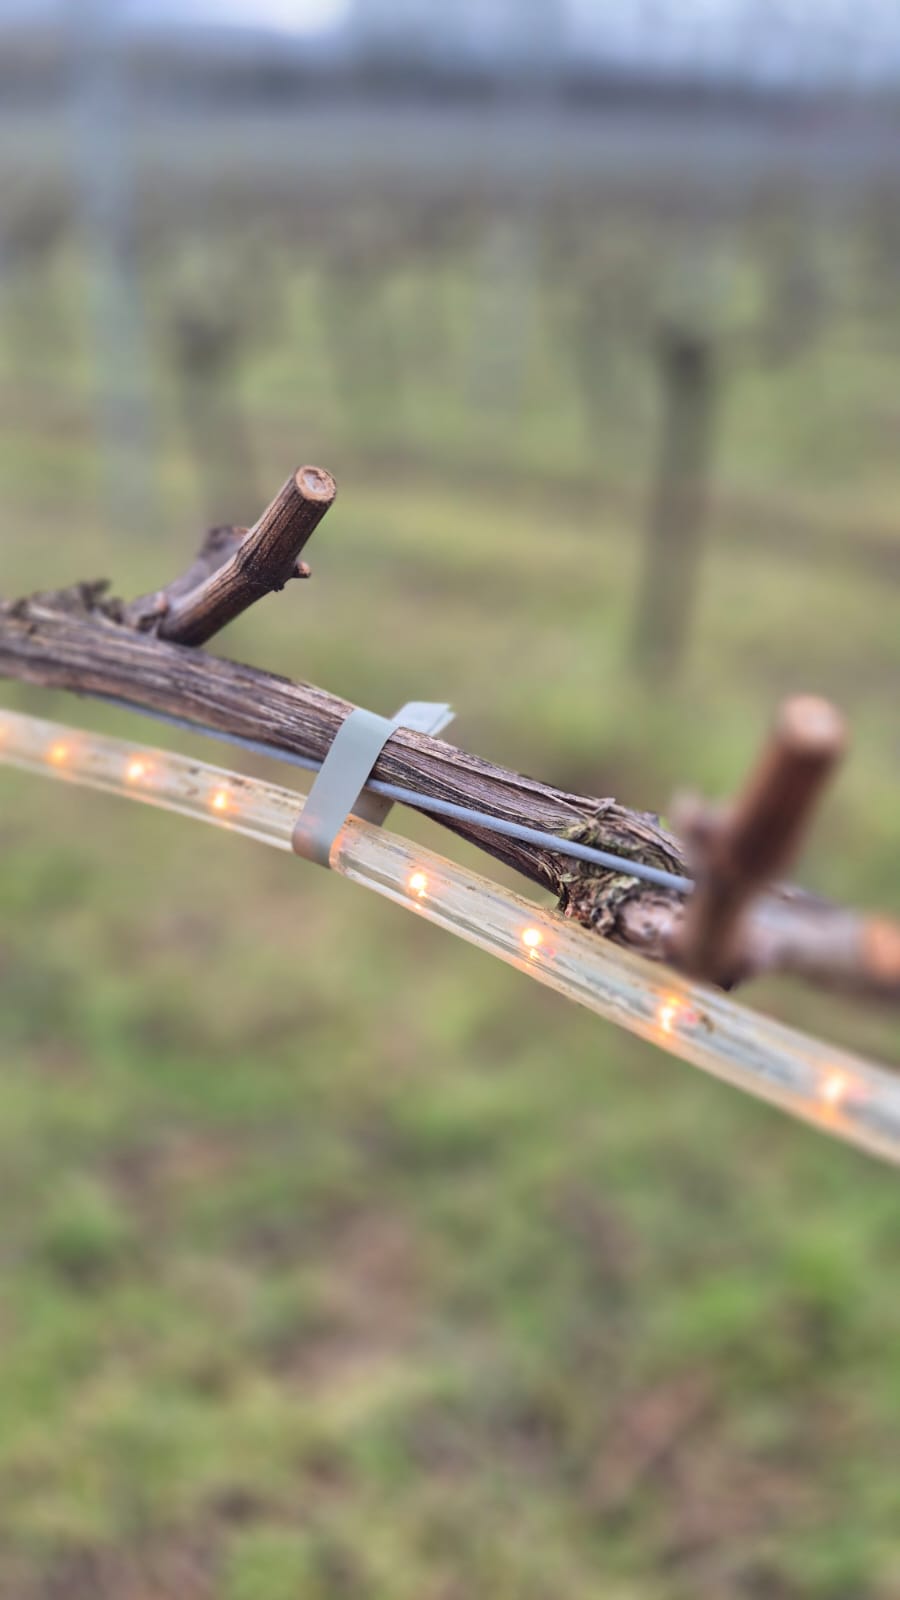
[
  {"x": 834, "y": 1089},
  {"x": 137, "y": 770},
  {"x": 58, "y": 754},
  {"x": 221, "y": 801},
  {"x": 418, "y": 885},
  {"x": 668, "y": 1014}
]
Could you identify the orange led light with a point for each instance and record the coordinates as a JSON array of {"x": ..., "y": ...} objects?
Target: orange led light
[
  {"x": 417, "y": 884},
  {"x": 532, "y": 939},
  {"x": 221, "y": 800},
  {"x": 136, "y": 770},
  {"x": 58, "y": 754},
  {"x": 668, "y": 1013},
  {"x": 834, "y": 1089}
]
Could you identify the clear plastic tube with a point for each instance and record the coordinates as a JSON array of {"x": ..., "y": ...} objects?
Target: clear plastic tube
[{"x": 838, "y": 1093}]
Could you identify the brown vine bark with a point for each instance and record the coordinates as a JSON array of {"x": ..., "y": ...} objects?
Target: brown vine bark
[
  {"x": 79, "y": 640},
  {"x": 232, "y": 573},
  {"x": 76, "y": 640},
  {"x": 737, "y": 850}
]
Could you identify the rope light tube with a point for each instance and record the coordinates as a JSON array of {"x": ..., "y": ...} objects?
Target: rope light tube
[{"x": 838, "y": 1093}]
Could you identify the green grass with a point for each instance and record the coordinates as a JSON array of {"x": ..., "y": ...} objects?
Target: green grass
[{"x": 339, "y": 1261}]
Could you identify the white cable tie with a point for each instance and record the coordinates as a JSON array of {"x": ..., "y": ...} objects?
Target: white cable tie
[{"x": 338, "y": 789}]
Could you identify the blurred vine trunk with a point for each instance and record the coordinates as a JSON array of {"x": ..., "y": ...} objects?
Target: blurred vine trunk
[
  {"x": 205, "y": 359},
  {"x": 686, "y": 369}
]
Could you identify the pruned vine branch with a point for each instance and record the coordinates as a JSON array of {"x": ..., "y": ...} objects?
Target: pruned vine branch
[
  {"x": 238, "y": 566},
  {"x": 143, "y": 652}
]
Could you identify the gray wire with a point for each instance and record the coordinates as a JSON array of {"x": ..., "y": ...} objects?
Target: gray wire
[{"x": 439, "y": 808}]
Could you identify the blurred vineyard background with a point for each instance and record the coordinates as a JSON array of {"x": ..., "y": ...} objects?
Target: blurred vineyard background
[{"x": 336, "y": 1262}]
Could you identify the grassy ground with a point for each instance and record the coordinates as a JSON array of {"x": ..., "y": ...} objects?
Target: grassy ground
[{"x": 339, "y": 1261}]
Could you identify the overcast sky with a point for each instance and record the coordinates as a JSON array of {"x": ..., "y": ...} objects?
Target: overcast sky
[{"x": 770, "y": 40}]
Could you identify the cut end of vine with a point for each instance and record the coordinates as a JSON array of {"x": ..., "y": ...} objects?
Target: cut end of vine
[{"x": 314, "y": 483}]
